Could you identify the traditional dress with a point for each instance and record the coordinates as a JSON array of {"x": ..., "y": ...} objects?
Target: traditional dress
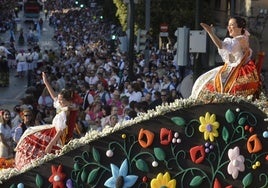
[
  {"x": 6, "y": 133},
  {"x": 238, "y": 76},
  {"x": 34, "y": 141}
]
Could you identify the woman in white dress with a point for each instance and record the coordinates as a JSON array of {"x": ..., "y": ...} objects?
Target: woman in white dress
[
  {"x": 238, "y": 75},
  {"x": 6, "y": 144},
  {"x": 39, "y": 140}
]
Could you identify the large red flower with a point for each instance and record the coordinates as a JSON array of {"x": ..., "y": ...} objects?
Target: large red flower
[{"x": 57, "y": 177}]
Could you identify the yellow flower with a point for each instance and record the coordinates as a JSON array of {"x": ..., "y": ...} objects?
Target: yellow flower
[
  {"x": 209, "y": 126},
  {"x": 163, "y": 181}
]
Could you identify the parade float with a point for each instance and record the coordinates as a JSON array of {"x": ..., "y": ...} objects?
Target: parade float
[{"x": 219, "y": 141}]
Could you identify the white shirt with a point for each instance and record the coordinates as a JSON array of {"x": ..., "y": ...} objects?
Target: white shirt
[
  {"x": 5, "y": 131},
  {"x": 135, "y": 96}
]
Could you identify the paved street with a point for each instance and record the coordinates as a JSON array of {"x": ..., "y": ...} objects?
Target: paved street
[{"x": 10, "y": 96}]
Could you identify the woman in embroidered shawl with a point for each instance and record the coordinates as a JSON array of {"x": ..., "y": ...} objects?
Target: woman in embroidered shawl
[
  {"x": 238, "y": 75},
  {"x": 39, "y": 140}
]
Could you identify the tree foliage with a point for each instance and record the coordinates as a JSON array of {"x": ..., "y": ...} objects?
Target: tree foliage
[
  {"x": 121, "y": 13},
  {"x": 175, "y": 13}
]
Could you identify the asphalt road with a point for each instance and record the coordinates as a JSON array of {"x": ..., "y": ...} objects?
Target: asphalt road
[{"x": 11, "y": 95}]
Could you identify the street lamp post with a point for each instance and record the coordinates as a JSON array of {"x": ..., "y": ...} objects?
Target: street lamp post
[
  {"x": 147, "y": 28},
  {"x": 131, "y": 14}
]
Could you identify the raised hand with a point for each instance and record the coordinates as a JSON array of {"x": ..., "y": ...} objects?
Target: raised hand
[{"x": 207, "y": 28}]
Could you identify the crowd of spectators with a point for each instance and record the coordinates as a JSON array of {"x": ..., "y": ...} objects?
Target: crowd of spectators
[{"x": 96, "y": 73}]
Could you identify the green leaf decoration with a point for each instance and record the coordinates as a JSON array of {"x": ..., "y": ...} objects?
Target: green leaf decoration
[
  {"x": 229, "y": 116},
  {"x": 142, "y": 165},
  {"x": 13, "y": 186},
  {"x": 85, "y": 154},
  {"x": 178, "y": 121},
  {"x": 247, "y": 180},
  {"x": 159, "y": 154},
  {"x": 225, "y": 134},
  {"x": 92, "y": 175},
  {"x": 39, "y": 180},
  {"x": 84, "y": 175},
  {"x": 196, "y": 181},
  {"x": 242, "y": 121},
  {"x": 76, "y": 167},
  {"x": 96, "y": 154}
]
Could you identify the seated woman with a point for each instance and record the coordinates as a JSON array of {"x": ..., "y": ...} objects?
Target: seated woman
[
  {"x": 39, "y": 140},
  {"x": 238, "y": 75}
]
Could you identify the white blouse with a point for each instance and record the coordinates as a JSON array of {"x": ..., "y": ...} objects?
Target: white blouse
[
  {"x": 232, "y": 51},
  {"x": 60, "y": 119}
]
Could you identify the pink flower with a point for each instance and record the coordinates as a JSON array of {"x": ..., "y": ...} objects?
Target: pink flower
[{"x": 236, "y": 162}]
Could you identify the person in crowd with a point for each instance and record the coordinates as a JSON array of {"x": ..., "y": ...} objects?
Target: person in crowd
[
  {"x": 167, "y": 83},
  {"x": 88, "y": 98},
  {"x": 148, "y": 98},
  {"x": 160, "y": 70},
  {"x": 40, "y": 140},
  {"x": 12, "y": 56},
  {"x": 102, "y": 80},
  {"x": 115, "y": 100},
  {"x": 44, "y": 106},
  {"x": 77, "y": 101},
  {"x": 45, "y": 58},
  {"x": 134, "y": 92},
  {"x": 27, "y": 121},
  {"x": 156, "y": 82},
  {"x": 103, "y": 93},
  {"x": 113, "y": 120},
  {"x": 17, "y": 118},
  {"x": 21, "y": 39},
  {"x": 105, "y": 120},
  {"x": 6, "y": 143},
  {"x": 165, "y": 96},
  {"x": 94, "y": 115},
  {"x": 113, "y": 83},
  {"x": 91, "y": 77},
  {"x": 149, "y": 86},
  {"x": 157, "y": 100},
  {"x": 124, "y": 77},
  {"x": 60, "y": 82},
  {"x": 4, "y": 68},
  {"x": 126, "y": 114},
  {"x": 30, "y": 67},
  {"x": 21, "y": 64},
  {"x": 142, "y": 107},
  {"x": 44, "y": 100},
  {"x": 238, "y": 75}
]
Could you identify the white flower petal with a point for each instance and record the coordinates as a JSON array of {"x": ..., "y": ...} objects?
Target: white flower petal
[
  {"x": 230, "y": 168},
  {"x": 235, "y": 173}
]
